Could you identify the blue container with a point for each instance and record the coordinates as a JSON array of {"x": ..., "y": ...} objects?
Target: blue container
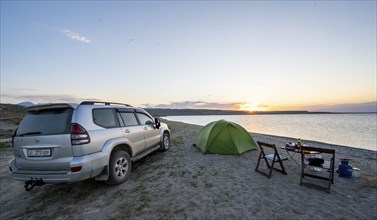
[{"x": 345, "y": 169}]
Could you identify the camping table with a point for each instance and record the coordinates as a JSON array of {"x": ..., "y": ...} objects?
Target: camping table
[{"x": 291, "y": 151}]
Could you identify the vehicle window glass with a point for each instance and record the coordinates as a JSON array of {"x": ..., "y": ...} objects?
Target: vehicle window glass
[
  {"x": 129, "y": 118},
  {"x": 46, "y": 122},
  {"x": 120, "y": 120},
  {"x": 144, "y": 119},
  {"x": 104, "y": 117}
]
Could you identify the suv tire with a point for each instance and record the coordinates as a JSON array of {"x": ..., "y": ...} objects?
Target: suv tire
[
  {"x": 119, "y": 167},
  {"x": 165, "y": 143}
]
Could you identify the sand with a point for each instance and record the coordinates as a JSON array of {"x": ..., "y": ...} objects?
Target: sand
[{"x": 183, "y": 183}]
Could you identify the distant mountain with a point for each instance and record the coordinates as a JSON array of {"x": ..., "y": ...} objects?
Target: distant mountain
[
  {"x": 344, "y": 108},
  {"x": 26, "y": 104},
  {"x": 171, "y": 112},
  {"x": 6, "y": 109},
  {"x": 160, "y": 112},
  {"x": 12, "y": 113}
]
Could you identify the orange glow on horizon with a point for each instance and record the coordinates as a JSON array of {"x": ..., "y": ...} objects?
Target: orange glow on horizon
[{"x": 253, "y": 107}]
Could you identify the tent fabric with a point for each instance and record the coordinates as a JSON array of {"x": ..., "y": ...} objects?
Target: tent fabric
[{"x": 224, "y": 137}]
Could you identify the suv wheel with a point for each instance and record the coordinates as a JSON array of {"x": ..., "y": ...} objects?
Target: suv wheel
[
  {"x": 119, "y": 167},
  {"x": 165, "y": 144}
]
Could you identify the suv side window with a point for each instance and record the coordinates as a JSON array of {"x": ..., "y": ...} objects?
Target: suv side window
[
  {"x": 104, "y": 117},
  {"x": 121, "y": 123},
  {"x": 129, "y": 118},
  {"x": 144, "y": 119}
]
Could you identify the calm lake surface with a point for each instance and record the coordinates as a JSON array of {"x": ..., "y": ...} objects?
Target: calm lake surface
[{"x": 354, "y": 130}]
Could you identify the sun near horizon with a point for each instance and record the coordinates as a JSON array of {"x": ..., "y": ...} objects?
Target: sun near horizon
[{"x": 253, "y": 107}]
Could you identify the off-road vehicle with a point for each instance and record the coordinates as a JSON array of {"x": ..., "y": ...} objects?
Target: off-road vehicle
[{"x": 65, "y": 142}]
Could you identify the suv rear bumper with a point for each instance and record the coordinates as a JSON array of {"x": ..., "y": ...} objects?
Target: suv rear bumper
[{"x": 91, "y": 165}]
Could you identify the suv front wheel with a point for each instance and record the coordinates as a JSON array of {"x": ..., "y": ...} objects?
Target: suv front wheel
[
  {"x": 119, "y": 167},
  {"x": 165, "y": 143}
]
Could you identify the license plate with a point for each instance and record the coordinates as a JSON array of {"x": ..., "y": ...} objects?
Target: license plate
[{"x": 39, "y": 153}]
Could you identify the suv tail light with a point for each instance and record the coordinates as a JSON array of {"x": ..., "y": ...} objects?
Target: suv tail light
[
  {"x": 76, "y": 169},
  {"x": 79, "y": 135}
]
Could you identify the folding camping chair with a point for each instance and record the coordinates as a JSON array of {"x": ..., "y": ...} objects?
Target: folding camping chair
[
  {"x": 322, "y": 171},
  {"x": 270, "y": 152}
]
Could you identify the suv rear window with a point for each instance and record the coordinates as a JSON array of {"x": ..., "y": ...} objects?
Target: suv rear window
[{"x": 46, "y": 122}]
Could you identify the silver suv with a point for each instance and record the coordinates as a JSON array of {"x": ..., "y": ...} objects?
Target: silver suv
[{"x": 72, "y": 142}]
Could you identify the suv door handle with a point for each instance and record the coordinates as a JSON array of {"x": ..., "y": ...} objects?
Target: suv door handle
[
  {"x": 127, "y": 131},
  {"x": 145, "y": 128}
]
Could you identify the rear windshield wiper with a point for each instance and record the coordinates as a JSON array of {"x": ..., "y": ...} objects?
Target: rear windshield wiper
[{"x": 30, "y": 133}]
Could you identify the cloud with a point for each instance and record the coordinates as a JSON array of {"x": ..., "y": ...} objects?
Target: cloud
[
  {"x": 130, "y": 41},
  {"x": 197, "y": 105},
  {"x": 75, "y": 36},
  {"x": 27, "y": 90}
]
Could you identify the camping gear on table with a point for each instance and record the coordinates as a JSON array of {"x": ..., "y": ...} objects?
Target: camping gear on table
[
  {"x": 297, "y": 145},
  {"x": 299, "y": 142},
  {"x": 224, "y": 137},
  {"x": 345, "y": 169},
  {"x": 291, "y": 146}
]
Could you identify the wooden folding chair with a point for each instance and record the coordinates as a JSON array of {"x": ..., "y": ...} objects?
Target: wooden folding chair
[
  {"x": 323, "y": 171},
  {"x": 274, "y": 157}
]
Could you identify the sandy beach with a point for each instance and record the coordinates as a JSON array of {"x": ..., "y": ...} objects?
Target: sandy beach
[{"x": 183, "y": 183}]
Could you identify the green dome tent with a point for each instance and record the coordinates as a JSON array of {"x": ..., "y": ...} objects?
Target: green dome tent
[{"x": 223, "y": 137}]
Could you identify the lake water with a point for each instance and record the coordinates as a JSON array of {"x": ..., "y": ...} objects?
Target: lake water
[{"x": 354, "y": 130}]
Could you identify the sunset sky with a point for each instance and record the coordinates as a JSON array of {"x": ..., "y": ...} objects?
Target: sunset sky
[{"x": 250, "y": 55}]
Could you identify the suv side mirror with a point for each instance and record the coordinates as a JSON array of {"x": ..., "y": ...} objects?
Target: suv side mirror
[{"x": 157, "y": 122}]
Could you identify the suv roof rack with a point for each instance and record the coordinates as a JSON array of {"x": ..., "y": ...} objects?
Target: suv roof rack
[{"x": 106, "y": 103}]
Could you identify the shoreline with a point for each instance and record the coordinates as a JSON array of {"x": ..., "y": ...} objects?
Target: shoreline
[
  {"x": 184, "y": 183},
  {"x": 292, "y": 139},
  {"x": 335, "y": 146},
  {"x": 337, "y": 136}
]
